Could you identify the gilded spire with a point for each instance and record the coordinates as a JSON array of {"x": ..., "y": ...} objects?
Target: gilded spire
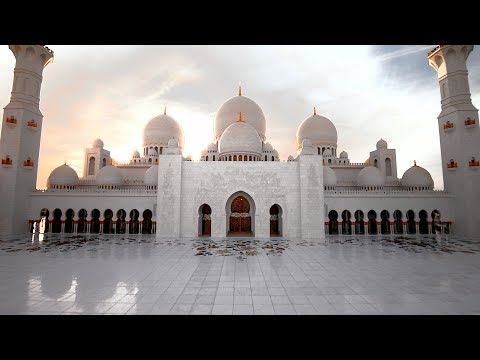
[
  {"x": 240, "y": 117},
  {"x": 314, "y": 110},
  {"x": 239, "y": 89},
  {"x": 165, "y": 110},
  {"x": 414, "y": 162}
]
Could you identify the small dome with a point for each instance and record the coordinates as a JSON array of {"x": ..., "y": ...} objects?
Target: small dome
[
  {"x": 240, "y": 137},
  {"x": 98, "y": 143},
  {"x": 189, "y": 158},
  {"x": 275, "y": 153},
  {"x": 327, "y": 152},
  {"x": 212, "y": 147},
  {"x": 135, "y": 154},
  {"x": 381, "y": 144},
  {"x": 151, "y": 176},
  {"x": 160, "y": 129},
  {"x": 417, "y": 176},
  {"x": 152, "y": 152},
  {"x": 329, "y": 176},
  {"x": 267, "y": 147},
  {"x": 317, "y": 128},
  {"x": 227, "y": 114},
  {"x": 290, "y": 158},
  {"x": 62, "y": 175},
  {"x": 344, "y": 155},
  {"x": 173, "y": 143},
  {"x": 370, "y": 176},
  {"x": 203, "y": 153},
  {"x": 109, "y": 175}
]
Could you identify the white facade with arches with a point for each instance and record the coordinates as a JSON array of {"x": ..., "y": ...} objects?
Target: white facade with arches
[{"x": 240, "y": 186}]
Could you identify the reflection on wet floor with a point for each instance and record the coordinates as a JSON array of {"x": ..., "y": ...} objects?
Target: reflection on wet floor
[{"x": 237, "y": 246}]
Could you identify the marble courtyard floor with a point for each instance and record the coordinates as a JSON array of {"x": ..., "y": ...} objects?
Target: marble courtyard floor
[{"x": 138, "y": 274}]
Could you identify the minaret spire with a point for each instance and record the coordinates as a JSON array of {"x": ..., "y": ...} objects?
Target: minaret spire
[
  {"x": 240, "y": 89},
  {"x": 240, "y": 117},
  {"x": 314, "y": 110},
  {"x": 164, "y": 109}
]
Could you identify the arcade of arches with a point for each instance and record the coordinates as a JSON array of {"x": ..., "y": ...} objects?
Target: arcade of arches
[{"x": 372, "y": 224}]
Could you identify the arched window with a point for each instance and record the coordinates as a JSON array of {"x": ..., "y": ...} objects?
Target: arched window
[
  {"x": 265, "y": 157},
  {"x": 318, "y": 151},
  {"x": 388, "y": 167},
  {"x": 329, "y": 161},
  {"x": 234, "y": 157},
  {"x": 230, "y": 158},
  {"x": 150, "y": 160},
  {"x": 273, "y": 158},
  {"x": 91, "y": 166},
  {"x": 375, "y": 163},
  {"x": 161, "y": 150},
  {"x": 206, "y": 158},
  {"x": 104, "y": 162},
  {"x": 250, "y": 158},
  {"x": 213, "y": 157},
  {"x": 244, "y": 157},
  {"x": 323, "y": 150}
]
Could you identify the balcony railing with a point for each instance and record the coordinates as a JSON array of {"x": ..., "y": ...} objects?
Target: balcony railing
[
  {"x": 28, "y": 163},
  {"x": 32, "y": 124},
  {"x": 474, "y": 163},
  {"x": 11, "y": 120},
  {"x": 448, "y": 125},
  {"x": 7, "y": 162},
  {"x": 452, "y": 165},
  {"x": 469, "y": 122}
]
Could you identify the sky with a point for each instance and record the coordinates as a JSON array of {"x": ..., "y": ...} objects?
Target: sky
[{"x": 111, "y": 92}]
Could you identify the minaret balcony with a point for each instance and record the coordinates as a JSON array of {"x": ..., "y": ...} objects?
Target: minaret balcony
[
  {"x": 469, "y": 123},
  {"x": 28, "y": 163},
  {"x": 448, "y": 126},
  {"x": 452, "y": 165}
]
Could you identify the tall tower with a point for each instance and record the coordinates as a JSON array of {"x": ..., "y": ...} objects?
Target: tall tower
[
  {"x": 459, "y": 135},
  {"x": 20, "y": 138}
]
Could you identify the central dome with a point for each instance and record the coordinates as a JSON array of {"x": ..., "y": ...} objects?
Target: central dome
[
  {"x": 160, "y": 129},
  {"x": 252, "y": 114},
  {"x": 240, "y": 137},
  {"x": 318, "y": 129}
]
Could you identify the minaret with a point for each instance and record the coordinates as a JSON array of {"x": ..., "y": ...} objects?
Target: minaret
[
  {"x": 20, "y": 138},
  {"x": 459, "y": 136}
]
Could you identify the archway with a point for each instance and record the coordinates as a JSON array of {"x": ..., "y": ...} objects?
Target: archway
[
  {"x": 423, "y": 223},
  {"x": 436, "y": 222},
  {"x": 346, "y": 222},
  {"x": 275, "y": 220},
  {"x": 333, "y": 222},
  {"x": 359, "y": 224},
  {"x": 411, "y": 222},
  {"x": 82, "y": 221},
  {"x": 372, "y": 222},
  {"x": 120, "y": 226},
  {"x": 397, "y": 216},
  {"x": 69, "y": 221},
  {"x": 107, "y": 222},
  {"x": 95, "y": 222},
  {"x": 44, "y": 225},
  {"x": 205, "y": 220},
  {"x": 240, "y": 211},
  {"x": 388, "y": 167},
  {"x": 147, "y": 222},
  {"x": 133, "y": 227},
  {"x": 385, "y": 225},
  {"x": 57, "y": 221},
  {"x": 91, "y": 166}
]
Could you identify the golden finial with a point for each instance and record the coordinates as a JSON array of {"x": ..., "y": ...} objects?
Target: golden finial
[
  {"x": 156, "y": 161},
  {"x": 239, "y": 89},
  {"x": 240, "y": 117},
  {"x": 414, "y": 162},
  {"x": 111, "y": 162},
  {"x": 314, "y": 110},
  {"x": 165, "y": 110},
  {"x": 323, "y": 162}
]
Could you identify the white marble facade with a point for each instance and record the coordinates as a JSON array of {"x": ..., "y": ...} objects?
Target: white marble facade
[{"x": 315, "y": 192}]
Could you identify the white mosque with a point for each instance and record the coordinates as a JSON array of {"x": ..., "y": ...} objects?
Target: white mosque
[{"x": 240, "y": 186}]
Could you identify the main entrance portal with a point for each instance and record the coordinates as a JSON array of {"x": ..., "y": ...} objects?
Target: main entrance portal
[{"x": 240, "y": 219}]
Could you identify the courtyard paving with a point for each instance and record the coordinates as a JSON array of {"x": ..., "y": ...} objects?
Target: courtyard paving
[{"x": 139, "y": 274}]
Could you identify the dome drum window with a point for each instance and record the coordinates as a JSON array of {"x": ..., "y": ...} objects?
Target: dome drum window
[
  {"x": 470, "y": 123},
  {"x": 448, "y": 126}
]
